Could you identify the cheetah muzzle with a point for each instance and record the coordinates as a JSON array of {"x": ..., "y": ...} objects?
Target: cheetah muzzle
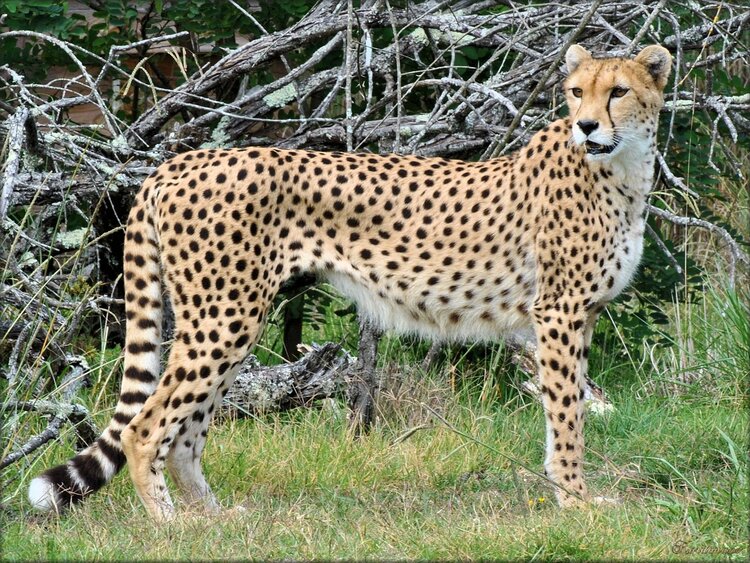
[
  {"x": 541, "y": 239},
  {"x": 595, "y": 148}
]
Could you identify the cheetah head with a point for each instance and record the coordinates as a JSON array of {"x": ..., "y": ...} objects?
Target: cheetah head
[{"x": 614, "y": 103}]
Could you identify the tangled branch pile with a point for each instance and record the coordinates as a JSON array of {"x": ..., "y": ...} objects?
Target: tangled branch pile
[{"x": 460, "y": 78}]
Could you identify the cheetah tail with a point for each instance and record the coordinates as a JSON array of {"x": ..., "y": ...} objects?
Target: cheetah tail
[{"x": 94, "y": 467}]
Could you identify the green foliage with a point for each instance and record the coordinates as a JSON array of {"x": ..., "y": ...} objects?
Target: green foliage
[
  {"x": 639, "y": 313},
  {"x": 293, "y": 8},
  {"x": 43, "y": 16},
  {"x": 119, "y": 22},
  {"x": 39, "y": 15}
]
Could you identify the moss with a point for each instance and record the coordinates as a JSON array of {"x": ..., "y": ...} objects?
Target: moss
[{"x": 281, "y": 97}]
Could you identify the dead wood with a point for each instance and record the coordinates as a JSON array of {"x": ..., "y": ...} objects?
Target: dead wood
[{"x": 319, "y": 374}]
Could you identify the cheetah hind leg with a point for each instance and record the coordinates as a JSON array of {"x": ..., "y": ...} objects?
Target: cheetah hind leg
[
  {"x": 184, "y": 463},
  {"x": 146, "y": 439},
  {"x": 171, "y": 428},
  {"x": 184, "y": 457},
  {"x": 164, "y": 417}
]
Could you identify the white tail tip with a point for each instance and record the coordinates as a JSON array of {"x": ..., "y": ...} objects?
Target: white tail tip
[{"x": 42, "y": 494}]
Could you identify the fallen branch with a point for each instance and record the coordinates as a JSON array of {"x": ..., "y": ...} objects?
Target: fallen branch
[
  {"x": 50, "y": 433},
  {"x": 16, "y": 135},
  {"x": 319, "y": 374},
  {"x": 61, "y": 412}
]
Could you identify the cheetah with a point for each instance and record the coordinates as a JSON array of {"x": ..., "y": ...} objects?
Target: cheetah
[{"x": 538, "y": 240}]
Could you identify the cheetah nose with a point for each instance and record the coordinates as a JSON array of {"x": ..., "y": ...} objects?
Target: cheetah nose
[{"x": 588, "y": 125}]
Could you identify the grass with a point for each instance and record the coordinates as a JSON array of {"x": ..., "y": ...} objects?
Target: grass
[
  {"x": 676, "y": 462},
  {"x": 312, "y": 493}
]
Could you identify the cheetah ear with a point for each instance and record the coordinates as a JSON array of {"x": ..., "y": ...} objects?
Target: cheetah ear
[
  {"x": 658, "y": 63},
  {"x": 575, "y": 56}
]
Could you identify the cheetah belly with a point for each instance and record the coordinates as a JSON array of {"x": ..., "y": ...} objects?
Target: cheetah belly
[{"x": 462, "y": 322}]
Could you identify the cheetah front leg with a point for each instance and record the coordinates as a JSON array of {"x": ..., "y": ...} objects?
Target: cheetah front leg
[{"x": 561, "y": 340}]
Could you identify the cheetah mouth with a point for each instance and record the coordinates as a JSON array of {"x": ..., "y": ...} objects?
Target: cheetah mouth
[{"x": 596, "y": 148}]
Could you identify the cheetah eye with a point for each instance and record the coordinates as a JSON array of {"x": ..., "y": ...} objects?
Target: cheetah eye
[
  {"x": 619, "y": 92},
  {"x": 577, "y": 92}
]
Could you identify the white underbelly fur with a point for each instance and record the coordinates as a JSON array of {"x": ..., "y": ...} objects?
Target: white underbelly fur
[{"x": 433, "y": 324}]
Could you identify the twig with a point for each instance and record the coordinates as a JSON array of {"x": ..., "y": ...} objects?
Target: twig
[
  {"x": 62, "y": 412},
  {"x": 734, "y": 248},
  {"x": 671, "y": 178},
  {"x": 51, "y": 432},
  {"x": 663, "y": 248},
  {"x": 348, "y": 75},
  {"x": 645, "y": 27},
  {"x": 399, "y": 101}
]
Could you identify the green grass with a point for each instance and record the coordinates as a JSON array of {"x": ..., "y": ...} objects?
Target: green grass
[
  {"x": 310, "y": 492},
  {"x": 676, "y": 462}
]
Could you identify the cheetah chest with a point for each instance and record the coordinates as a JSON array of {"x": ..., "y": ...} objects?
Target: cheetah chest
[
  {"x": 628, "y": 250},
  {"x": 620, "y": 261}
]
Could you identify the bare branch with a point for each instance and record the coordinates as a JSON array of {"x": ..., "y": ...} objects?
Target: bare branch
[
  {"x": 736, "y": 253},
  {"x": 16, "y": 134},
  {"x": 62, "y": 412}
]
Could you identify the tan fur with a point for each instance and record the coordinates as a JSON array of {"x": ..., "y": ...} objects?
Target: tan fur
[{"x": 540, "y": 239}]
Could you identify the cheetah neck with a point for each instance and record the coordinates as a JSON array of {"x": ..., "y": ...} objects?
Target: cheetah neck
[{"x": 633, "y": 169}]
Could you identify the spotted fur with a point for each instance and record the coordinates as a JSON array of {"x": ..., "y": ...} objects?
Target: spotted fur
[{"x": 449, "y": 250}]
